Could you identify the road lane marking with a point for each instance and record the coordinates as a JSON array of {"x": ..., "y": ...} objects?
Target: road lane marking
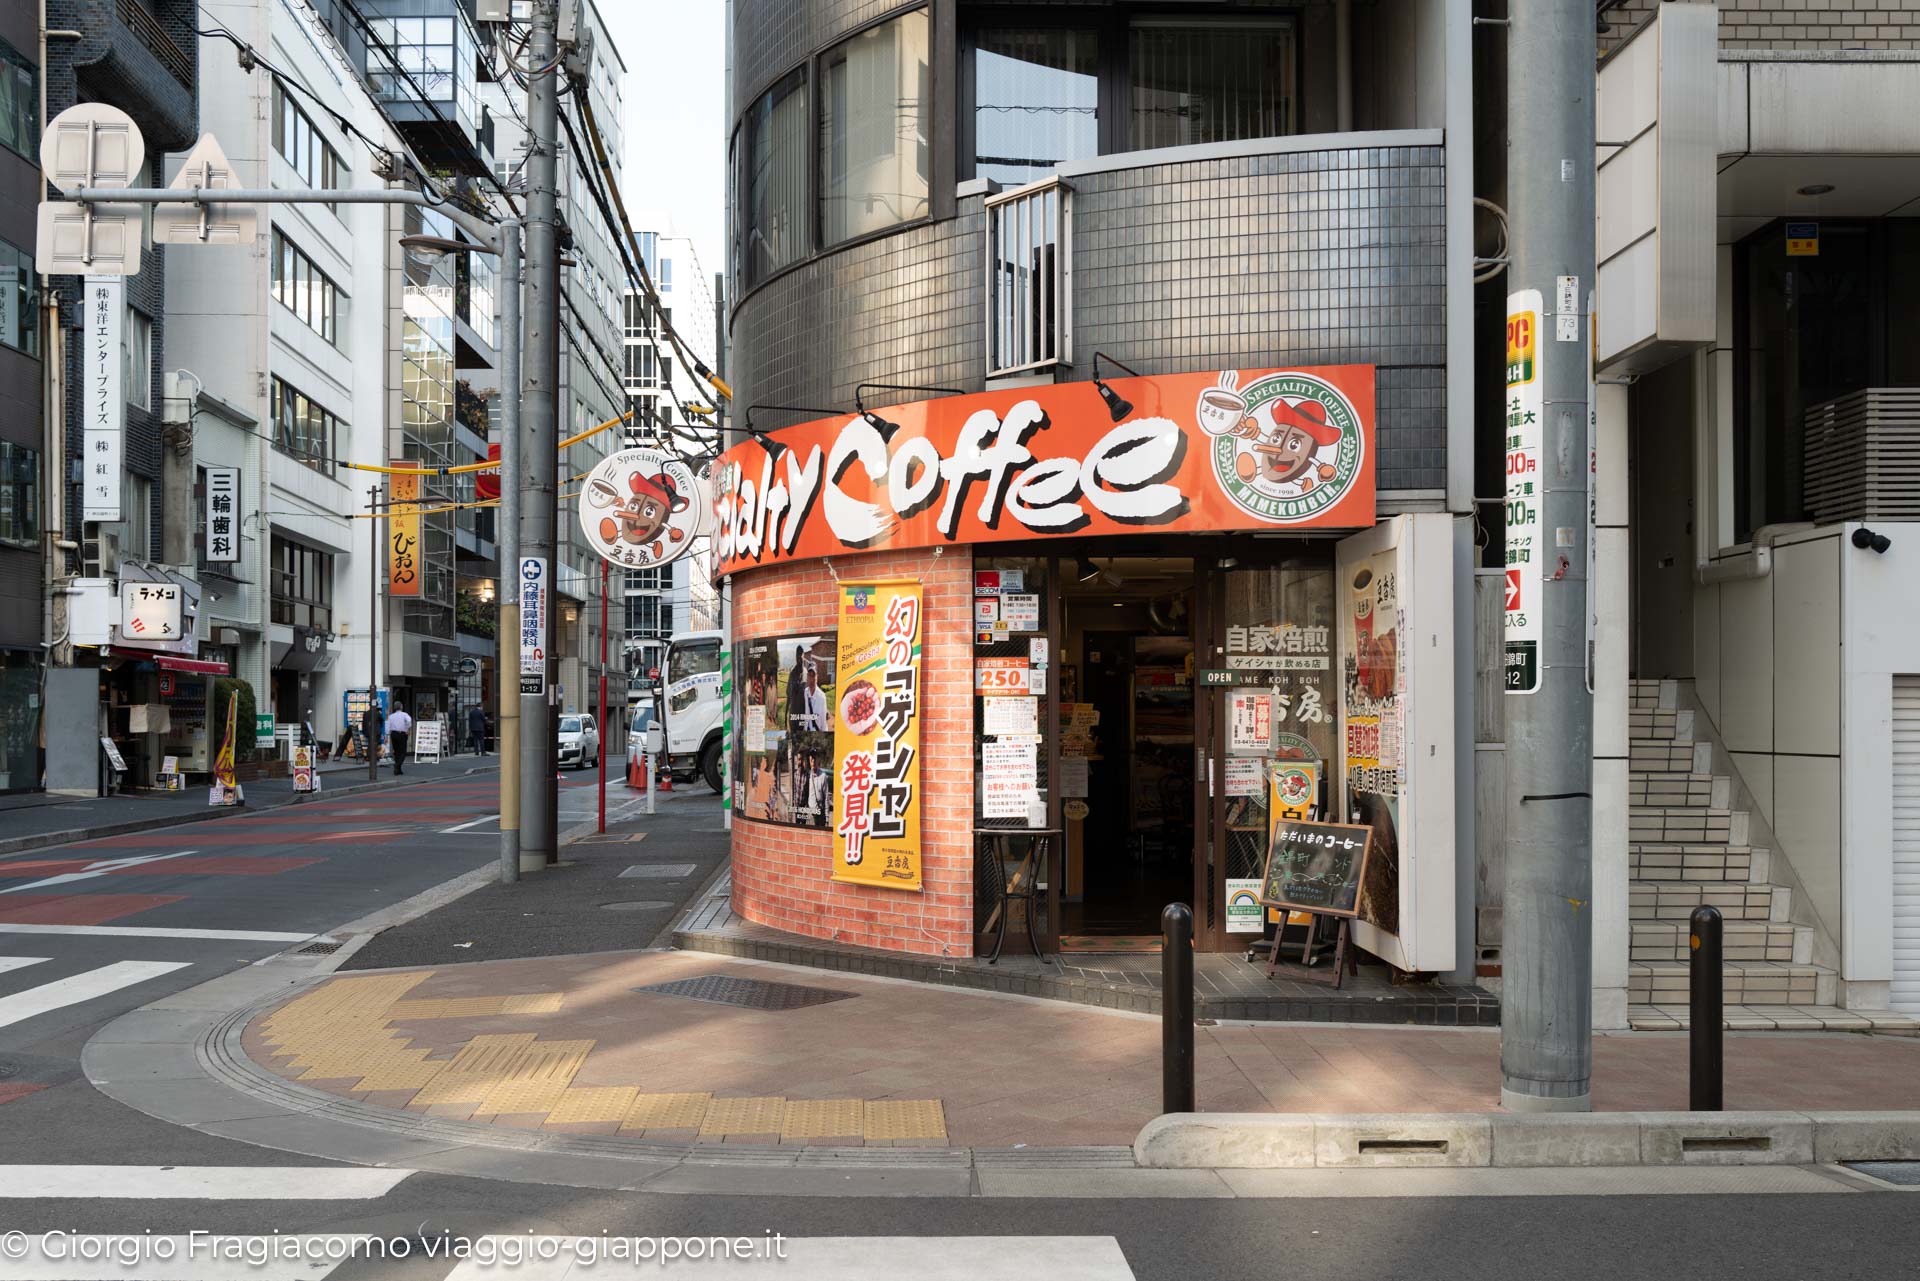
[
  {"x": 448, "y": 831},
  {"x": 158, "y": 932},
  {"x": 99, "y": 867},
  {"x": 197, "y": 1182},
  {"x": 1065, "y": 1258},
  {"x": 81, "y": 987},
  {"x": 20, "y": 962}
]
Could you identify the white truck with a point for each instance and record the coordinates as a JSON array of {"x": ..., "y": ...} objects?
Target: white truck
[{"x": 691, "y": 708}]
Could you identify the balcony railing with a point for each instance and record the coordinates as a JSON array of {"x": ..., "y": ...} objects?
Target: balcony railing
[
  {"x": 148, "y": 31},
  {"x": 1862, "y": 458},
  {"x": 1029, "y": 278}
]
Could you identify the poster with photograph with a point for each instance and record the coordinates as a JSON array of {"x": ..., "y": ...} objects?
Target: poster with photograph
[
  {"x": 784, "y": 704},
  {"x": 1373, "y": 747},
  {"x": 876, "y": 766}
]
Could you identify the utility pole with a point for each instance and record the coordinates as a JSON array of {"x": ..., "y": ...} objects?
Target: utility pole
[
  {"x": 1546, "y": 1021},
  {"x": 539, "y": 803},
  {"x": 507, "y": 549},
  {"x": 376, "y": 565}
]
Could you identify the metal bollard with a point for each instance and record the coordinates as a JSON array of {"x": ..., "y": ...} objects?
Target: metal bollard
[
  {"x": 1706, "y": 1060},
  {"x": 1176, "y": 1008}
]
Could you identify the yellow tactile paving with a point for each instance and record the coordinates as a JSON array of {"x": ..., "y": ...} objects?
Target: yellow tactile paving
[
  {"x": 480, "y": 1065},
  {"x": 537, "y": 1079},
  {"x": 464, "y": 1007},
  {"x": 904, "y": 1119},
  {"x": 582, "y": 1104},
  {"x": 666, "y": 1112},
  {"x": 744, "y": 1116},
  {"x": 822, "y": 1119}
]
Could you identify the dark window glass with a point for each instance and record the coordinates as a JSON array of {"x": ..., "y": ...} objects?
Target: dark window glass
[
  {"x": 302, "y": 428},
  {"x": 19, "y": 298},
  {"x": 774, "y": 180},
  {"x": 876, "y": 96},
  {"x": 301, "y": 579},
  {"x": 1194, "y": 82},
  {"x": 19, "y": 103},
  {"x": 19, "y": 494},
  {"x": 1036, "y": 101}
]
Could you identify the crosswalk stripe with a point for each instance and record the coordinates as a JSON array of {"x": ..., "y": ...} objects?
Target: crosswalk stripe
[
  {"x": 81, "y": 987},
  {"x": 20, "y": 962},
  {"x": 197, "y": 1182},
  {"x": 803, "y": 1259},
  {"x": 76, "y": 1257},
  {"x": 157, "y": 932}
]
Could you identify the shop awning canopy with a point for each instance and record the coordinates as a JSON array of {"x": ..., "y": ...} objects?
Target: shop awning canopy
[{"x": 173, "y": 662}]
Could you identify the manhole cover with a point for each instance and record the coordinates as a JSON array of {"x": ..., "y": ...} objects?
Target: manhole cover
[
  {"x": 659, "y": 871},
  {"x": 748, "y": 994},
  {"x": 637, "y": 905},
  {"x": 317, "y": 949},
  {"x": 1904, "y": 1173},
  {"x": 8, "y": 1068}
]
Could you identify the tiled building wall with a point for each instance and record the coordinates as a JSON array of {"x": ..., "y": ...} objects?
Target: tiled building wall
[
  {"x": 781, "y": 874},
  {"x": 1317, "y": 257},
  {"x": 1794, "y": 24}
]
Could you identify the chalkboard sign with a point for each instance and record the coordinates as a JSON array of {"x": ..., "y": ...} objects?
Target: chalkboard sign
[{"x": 1316, "y": 867}]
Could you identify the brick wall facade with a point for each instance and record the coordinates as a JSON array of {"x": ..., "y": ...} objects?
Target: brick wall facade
[
  {"x": 1795, "y": 24},
  {"x": 781, "y": 874}
]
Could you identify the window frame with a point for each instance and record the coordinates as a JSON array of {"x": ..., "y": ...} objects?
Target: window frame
[
  {"x": 29, "y": 301},
  {"x": 136, "y": 359},
  {"x": 23, "y": 480},
  {"x": 318, "y": 290},
  {"x": 323, "y": 168},
  {"x": 12, "y": 59},
  {"x": 303, "y": 585},
  {"x": 279, "y": 390}
]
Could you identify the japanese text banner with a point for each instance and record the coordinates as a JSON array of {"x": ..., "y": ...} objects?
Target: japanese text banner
[
  {"x": 876, "y": 736},
  {"x": 403, "y": 535}
]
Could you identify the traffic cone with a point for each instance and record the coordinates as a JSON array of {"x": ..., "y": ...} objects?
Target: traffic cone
[
  {"x": 666, "y": 778},
  {"x": 635, "y": 778}
]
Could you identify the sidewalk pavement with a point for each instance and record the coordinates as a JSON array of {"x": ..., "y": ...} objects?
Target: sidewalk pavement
[
  {"x": 33, "y": 822},
  {"x": 743, "y": 1052}
]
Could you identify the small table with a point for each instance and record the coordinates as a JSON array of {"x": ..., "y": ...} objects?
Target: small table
[{"x": 1024, "y": 884}]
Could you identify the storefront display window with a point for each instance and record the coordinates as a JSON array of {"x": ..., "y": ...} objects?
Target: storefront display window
[
  {"x": 19, "y": 720},
  {"x": 784, "y": 707}
]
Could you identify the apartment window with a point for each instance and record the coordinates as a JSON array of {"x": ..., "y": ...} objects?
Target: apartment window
[
  {"x": 19, "y": 300},
  {"x": 136, "y": 359},
  {"x": 19, "y": 104},
  {"x": 639, "y": 365},
  {"x": 876, "y": 96},
  {"x": 666, "y": 273},
  {"x": 19, "y": 494},
  {"x": 302, "y": 145},
  {"x": 136, "y": 517},
  {"x": 304, "y": 289},
  {"x": 772, "y": 182},
  {"x": 302, "y": 429},
  {"x": 1195, "y": 81},
  {"x": 302, "y": 582},
  {"x": 639, "y": 323},
  {"x": 436, "y": 54},
  {"x": 1036, "y": 101}
]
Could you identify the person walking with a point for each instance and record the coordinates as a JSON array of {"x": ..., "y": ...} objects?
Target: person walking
[
  {"x": 477, "y": 729},
  {"x": 374, "y": 726},
  {"x": 399, "y": 726}
]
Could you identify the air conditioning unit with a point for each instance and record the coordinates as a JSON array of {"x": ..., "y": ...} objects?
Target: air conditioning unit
[{"x": 100, "y": 556}]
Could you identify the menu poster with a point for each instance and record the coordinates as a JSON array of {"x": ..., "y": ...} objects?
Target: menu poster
[
  {"x": 1243, "y": 775},
  {"x": 1019, "y": 611},
  {"x": 1249, "y": 720},
  {"x": 875, "y": 786},
  {"x": 1001, "y": 676},
  {"x": 1007, "y": 779},
  {"x": 1019, "y": 715},
  {"x": 1316, "y": 867},
  {"x": 1074, "y": 776}
]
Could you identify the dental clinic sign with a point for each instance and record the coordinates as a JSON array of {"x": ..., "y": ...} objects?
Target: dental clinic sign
[{"x": 1220, "y": 450}]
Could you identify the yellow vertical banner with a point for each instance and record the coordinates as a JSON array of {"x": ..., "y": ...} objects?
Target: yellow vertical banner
[
  {"x": 876, "y": 736},
  {"x": 403, "y": 534},
  {"x": 226, "y": 785}
]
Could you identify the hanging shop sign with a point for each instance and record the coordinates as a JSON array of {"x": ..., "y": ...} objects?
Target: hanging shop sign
[
  {"x": 486, "y": 481},
  {"x": 222, "y": 534},
  {"x": 403, "y": 533},
  {"x": 533, "y": 625},
  {"x": 104, "y": 398},
  {"x": 151, "y": 612},
  {"x": 1525, "y": 546},
  {"x": 876, "y": 777},
  {"x": 642, "y": 507},
  {"x": 1220, "y": 450}
]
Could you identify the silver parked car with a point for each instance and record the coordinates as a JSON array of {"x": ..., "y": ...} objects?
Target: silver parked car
[{"x": 579, "y": 742}]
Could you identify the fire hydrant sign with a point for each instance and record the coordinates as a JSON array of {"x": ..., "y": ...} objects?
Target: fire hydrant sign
[
  {"x": 533, "y": 625},
  {"x": 876, "y": 736},
  {"x": 1524, "y": 434}
]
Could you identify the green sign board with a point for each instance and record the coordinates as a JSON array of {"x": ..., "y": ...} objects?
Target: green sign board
[
  {"x": 263, "y": 729},
  {"x": 1226, "y": 676}
]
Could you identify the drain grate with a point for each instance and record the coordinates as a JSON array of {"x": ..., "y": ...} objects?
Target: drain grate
[
  {"x": 659, "y": 871},
  {"x": 317, "y": 949},
  {"x": 747, "y": 994}
]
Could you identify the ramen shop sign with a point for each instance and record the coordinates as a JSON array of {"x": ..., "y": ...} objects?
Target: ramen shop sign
[{"x": 1198, "y": 452}]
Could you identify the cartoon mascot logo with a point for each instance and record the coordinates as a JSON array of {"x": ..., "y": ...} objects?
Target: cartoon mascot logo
[
  {"x": 642, "y": 507},
  {"x": 1286, "y": 448}
]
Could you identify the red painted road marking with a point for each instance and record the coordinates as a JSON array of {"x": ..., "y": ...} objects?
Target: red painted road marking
[
  {"x": 11, "y": 1090},
  {"x": 352, "y": 836},
  {"x": 77, "y": 909}
]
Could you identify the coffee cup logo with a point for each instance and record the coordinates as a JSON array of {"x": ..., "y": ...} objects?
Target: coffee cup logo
[{"x": 1293, "y": 450}]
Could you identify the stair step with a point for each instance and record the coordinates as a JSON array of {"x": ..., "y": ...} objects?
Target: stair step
[
  {"x": 1659, "y": 940},
  {"x": 1674, "y": 790},
  {"x": 1674, "y": 900},
  {"x": 1652, "y": 725},
  {"x": 1686, "y": 825},
  {"x": 1658, "y": 861},
  {"x": 1653, "y": 693},
  {"x": 1780, "y": 1018},
  {"x": 1665, "y": 983},
  {"x": 1670, "y": 756}
]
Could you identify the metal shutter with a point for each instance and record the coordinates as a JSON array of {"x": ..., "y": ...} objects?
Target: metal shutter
[{"x": 1906, "y": 844}]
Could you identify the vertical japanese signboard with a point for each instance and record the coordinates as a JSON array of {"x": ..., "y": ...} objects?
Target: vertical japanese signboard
[
  {"x": 533, "y": 625},
  {"x": 1524, "y": 433},
  {"x": 104, "y": 398},
  {"x": 876, "y": 778},
  {"x": 223, "y": 515},
  {"x": 403, "y": 534}
]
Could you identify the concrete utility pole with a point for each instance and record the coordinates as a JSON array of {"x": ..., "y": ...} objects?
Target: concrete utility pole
[
  {"x": 539, "y": 799},
  {"x": 507, "y": 549},
  {"x": 1546, "y": 1022}
]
